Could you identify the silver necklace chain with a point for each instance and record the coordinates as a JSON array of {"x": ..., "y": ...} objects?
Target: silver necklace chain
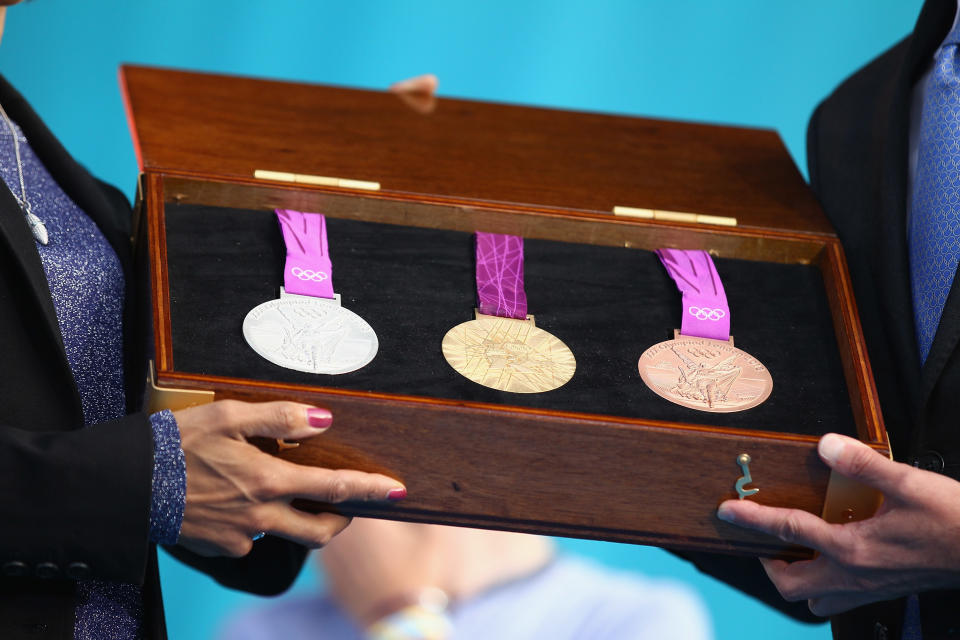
[{"x": 37, "y": 227}]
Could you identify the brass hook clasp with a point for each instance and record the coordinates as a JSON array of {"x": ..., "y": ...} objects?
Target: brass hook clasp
[{"x": 744, "y": 461}]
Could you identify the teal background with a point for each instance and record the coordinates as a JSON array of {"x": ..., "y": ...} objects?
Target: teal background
[{"x": 749, "y": 62}]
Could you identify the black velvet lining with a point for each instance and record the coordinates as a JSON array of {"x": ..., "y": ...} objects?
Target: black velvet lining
[{"x": 412, "y": 285}]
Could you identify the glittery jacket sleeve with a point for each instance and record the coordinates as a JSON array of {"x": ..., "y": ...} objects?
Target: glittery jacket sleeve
[{"x": 169, "y": 487}]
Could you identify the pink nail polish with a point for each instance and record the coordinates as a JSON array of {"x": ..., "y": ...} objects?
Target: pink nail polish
[
  {"x": 319, "y": 418},
  {"x": 397, "y": 494}
]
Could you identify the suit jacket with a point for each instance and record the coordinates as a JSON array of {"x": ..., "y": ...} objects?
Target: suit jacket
[
  {"x": 857, "y": 145},
  {"x": 75, "y": 501}
]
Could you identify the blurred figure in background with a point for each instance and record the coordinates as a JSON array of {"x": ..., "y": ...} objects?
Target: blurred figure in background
[{"x": 405, "y": 581}]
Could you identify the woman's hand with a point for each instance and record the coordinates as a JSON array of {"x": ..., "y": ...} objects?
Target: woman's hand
[
  {"x": 912, "y": 544},
  {"x": 235, "y": 491}
]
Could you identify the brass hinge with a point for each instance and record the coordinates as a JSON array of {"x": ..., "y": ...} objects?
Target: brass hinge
[
  {"x": 674, "y": 216},
  {"x": 160, "y": 398},
  {"x": 323, "y": 181},
  {"x": 849, "y": 500}
]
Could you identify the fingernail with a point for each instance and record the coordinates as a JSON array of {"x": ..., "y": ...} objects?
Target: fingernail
[
  {"x": 319, "y": 418},
  {"x": 725, "y": 513},
  {"x": 831, "y": 447},
  {"x": 397, "y": 494}
]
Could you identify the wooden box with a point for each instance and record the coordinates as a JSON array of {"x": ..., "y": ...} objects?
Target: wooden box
[{"x": 602, "y": 457}]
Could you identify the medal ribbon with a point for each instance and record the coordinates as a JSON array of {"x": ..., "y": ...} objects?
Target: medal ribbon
[
  {"x": 706, "y": 313},
  {"x": 500, "y": 275},
  {"x": 307, "y": 271}
]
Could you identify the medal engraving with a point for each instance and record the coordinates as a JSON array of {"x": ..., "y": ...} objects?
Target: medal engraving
[
  {"x": 508, "y": 355},
  {"x": 704, "y": 374},
  {"x": 315, "y": 335}
]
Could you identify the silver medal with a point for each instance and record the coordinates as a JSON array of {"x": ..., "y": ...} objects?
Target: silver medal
[{"x": 315, "y": 335}]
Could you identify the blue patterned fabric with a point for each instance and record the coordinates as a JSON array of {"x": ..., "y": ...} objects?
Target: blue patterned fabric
[
  {"x": 933, "y": 218},
  {"x": 911, "y": 620},
  {"x": 87, "y": 286},
  {"x": 933, "y": 232}
]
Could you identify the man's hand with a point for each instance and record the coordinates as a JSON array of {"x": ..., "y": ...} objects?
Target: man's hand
[
  {"x": 912, "y": 544},
  {"x": 235, "y": 491}
]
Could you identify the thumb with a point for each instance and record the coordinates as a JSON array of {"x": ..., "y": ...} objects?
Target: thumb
[{"x": 857, "y": 461}]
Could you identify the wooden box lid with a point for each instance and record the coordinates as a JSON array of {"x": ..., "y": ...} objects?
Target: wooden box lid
[{"x": 464, "y": 152}]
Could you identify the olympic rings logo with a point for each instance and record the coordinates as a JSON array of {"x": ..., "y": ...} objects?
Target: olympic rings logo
[
  {"x": 706, "y": 313},
  {"x": 309, "y": 274}
]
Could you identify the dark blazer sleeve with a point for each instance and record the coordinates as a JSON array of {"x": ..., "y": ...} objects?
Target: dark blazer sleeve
[
  {"x": 268, "y": 570},
  {"x": 76, "y": 504},
  {"x": 74, "y": 501},
  {"x": 747, "y": 575}
]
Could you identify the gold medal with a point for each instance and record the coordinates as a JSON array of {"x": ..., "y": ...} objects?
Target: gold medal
[
  {"x": 704, "y": 374},
  {"x": 508, "y": 355}
]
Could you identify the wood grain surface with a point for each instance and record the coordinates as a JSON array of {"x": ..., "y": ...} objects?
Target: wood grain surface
[
  {"x": 465, "y": 151},
  {"x": 549, "y": 473}
]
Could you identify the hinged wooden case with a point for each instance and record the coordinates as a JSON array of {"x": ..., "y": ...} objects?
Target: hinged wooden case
[{"x": 403, "y": 189}]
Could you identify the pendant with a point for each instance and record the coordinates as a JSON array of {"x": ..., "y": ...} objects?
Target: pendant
[{"x": 38, "y": 229}]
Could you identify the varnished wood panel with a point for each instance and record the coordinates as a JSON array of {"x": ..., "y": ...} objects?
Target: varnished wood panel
[
  {"x": 551, "y": 474},
  {"x": 464, "y": 152},
  {"x": 566, "y": 226},
  {"x": 852, "y": 346},
  {"x": 159, "y": 285}
]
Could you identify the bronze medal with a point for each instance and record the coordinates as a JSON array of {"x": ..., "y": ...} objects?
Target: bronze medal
[
  {"x": 700, "y": 368},
  {"x": 704, "y": 374}
]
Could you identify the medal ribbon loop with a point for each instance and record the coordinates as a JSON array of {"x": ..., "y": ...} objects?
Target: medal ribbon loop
[
  {"x": 307, "y": 271},
  {"x": 500, "y": 275},
  {"x": 706, "y": 313}
]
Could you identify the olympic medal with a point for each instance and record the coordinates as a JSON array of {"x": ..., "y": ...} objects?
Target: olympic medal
[
  {"x": 508, "y": 355},
  {"x": 704, "y": 374},
  {"x": 315, "y": 335}
]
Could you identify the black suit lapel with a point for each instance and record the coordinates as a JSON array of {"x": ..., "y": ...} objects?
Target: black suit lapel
[
  {"x": 14, "y": 232},
  {"x": 75, "y": 181},
  {"x": 932, "y": 27},
  {"x": 891, "y": 261},
  {"x": 944, "y": 342},
  {"x": 110, "y": 215},
  {"x": 16, "y": 235}
]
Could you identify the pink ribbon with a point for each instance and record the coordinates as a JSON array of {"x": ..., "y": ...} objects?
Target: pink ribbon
[
  {"x": 500, "y": 275},
  {"x": 706, "y": 313},
  {"x": 307, "y": 271}
]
